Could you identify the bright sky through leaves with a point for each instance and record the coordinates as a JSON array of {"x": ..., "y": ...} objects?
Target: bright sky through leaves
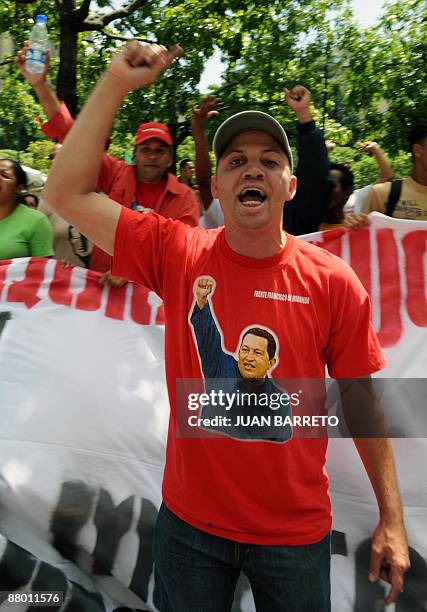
[{"x": 366, "y": 13}]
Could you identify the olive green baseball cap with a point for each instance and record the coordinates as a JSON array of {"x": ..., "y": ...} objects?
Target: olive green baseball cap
[{"x": 250, "y": 120}]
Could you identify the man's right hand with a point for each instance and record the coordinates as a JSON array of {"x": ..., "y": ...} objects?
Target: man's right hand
[
  {"x": 33, "y": 79},
  {"x": 354, "y": 222},
  {"x": 201, "y": 114},
  {"x": 138, "y": 65},
  {"x": 203, "y": 287},
  {"x": 369, "y": 147},
  {"x": 298, "y": 99}
]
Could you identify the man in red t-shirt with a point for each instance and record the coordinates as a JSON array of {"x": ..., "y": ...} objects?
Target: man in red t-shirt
[{"x": 233, "y": 505}]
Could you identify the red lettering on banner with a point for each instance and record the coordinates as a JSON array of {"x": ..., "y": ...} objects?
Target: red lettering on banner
[
  {"x": 140, "y": 309},
  {"x": 90, "y": 297},
  {"x": 160, "y": 318},
  {"x": 59, "y": 288},
  {"x": 414, "y": 245},
  {"x": 3, "y": 271},
  {"x": 25, "y": 290},
  {"x": 360, "y": 256},
  {"x": 390, "y": 295},
  {"x": 115, "y": 308},
  {"x": 332, "y": 241}
]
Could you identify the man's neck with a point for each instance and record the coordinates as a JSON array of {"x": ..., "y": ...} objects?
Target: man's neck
[
  {"x": 255, "y": 243},
  {"x": 148, "y": 181},
  {"x": 419, "y": 175}
]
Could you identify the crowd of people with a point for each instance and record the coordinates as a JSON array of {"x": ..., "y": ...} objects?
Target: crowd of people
[
  {"x": 229, "y": 506},
  {"x": 325, "y": 197}
]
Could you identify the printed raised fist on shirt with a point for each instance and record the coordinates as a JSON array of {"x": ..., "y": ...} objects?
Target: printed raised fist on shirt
[{"x": 203, "y": 287}]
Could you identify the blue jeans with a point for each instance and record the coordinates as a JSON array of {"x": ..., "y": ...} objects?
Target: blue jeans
[{"x": 196, "y": 571}]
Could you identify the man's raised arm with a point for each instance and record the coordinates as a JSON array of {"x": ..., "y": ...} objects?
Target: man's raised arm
[
  {"x": 304, "y": 213},
  {"x": 200, "y": 117},
  {"x": 70, "y": 188}
]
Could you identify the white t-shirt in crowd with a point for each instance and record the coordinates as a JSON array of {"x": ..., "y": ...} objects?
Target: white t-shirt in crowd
[
  {"x": 355, "y": 202},
  {"x": 213, "y": 216}
]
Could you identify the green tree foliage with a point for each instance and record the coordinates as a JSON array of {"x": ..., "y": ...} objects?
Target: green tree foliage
[
  {"x": 19, "y": 111},
  {"x": 196, "y": 26},
  {"x": 36, "y": 156},
  {"x": 277, "y": 45},
  {"x": 380, "y": 77},
  {"x": 366, "y": 83},
  {"x": 354, "y": 74}
]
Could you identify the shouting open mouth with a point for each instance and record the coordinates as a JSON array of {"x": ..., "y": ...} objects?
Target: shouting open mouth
[{"x": 251, "y": 197}]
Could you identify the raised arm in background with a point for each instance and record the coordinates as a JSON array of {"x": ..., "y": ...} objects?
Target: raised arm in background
[
  {"x": 70, "y": 188},
  {"x": 199, "y": 119},
  {"x": 386, "y": 174},
  {"x": 59, "y": 121},
  {"x": 45, "y": 94},
  {"x": 305, "y": 212}
]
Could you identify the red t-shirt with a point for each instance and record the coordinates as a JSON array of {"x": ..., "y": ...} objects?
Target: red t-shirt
[
  {"x": 149, "y": 194},
  {"x": 257, "y": 492}
]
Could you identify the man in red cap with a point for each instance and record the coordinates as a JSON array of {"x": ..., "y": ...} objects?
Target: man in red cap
[
  {"x": 152, "y": 153},
  {"x": 146, "y": 186}
]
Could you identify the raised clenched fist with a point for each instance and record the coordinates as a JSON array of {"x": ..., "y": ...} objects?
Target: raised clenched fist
[
  {"x": 298, "y": 99},
  {"x": 138, "y": 65}
]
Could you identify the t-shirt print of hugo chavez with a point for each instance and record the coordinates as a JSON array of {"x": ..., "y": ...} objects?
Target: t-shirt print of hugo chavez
[{"x": 244, "y": 402}]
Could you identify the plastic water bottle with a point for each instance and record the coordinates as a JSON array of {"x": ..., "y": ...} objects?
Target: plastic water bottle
[{"x": 36, "y": 54}]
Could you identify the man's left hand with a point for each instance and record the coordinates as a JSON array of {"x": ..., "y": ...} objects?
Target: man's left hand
[
  {"x": 34, "y": 79},
  {"x": 369, "y": 147},
  {"x": 111, "y": 281},
  {"x": 389, "y": 557}
]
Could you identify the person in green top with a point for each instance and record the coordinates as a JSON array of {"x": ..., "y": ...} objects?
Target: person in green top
[{"x": 24, "y": 232}]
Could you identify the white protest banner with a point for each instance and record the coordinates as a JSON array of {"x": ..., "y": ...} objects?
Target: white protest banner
[
  {"x": 390, "y": 259},
  {"x": 83, "y": 420},
  {"x": 83, "y": 417}
]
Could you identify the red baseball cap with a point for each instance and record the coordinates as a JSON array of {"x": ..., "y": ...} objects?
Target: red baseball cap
[{"x": 153, "y": 130}]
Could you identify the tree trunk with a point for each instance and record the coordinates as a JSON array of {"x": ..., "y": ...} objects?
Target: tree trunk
[{"x": 66, "y": 84}]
